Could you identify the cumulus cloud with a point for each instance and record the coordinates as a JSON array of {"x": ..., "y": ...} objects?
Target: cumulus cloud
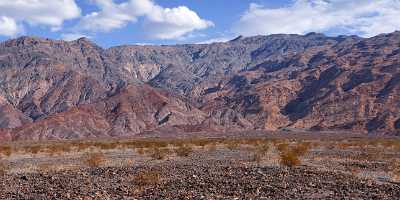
[
  {"x": 159, "y": 22},
  {"x": 168, "y": 23},
  {"x": 73, "y": 36},
  {"x": 50, "y": 13},
  {"x": 8, "y": 26},
  {"x": 366, "y": 18},
  {"x": 215, "y": 40}
]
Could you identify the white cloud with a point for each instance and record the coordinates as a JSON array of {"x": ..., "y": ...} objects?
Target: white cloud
[
  {"x": 215, "y": 40},
  {"x": 51, "y": 13},
  {"x": 160, "y": 23},
  {"x": 8, "y": 26},
  {"x": 169, "y": 23},
  {"x": 367, "y": 17},
  {"x": 73, "y": 36}
]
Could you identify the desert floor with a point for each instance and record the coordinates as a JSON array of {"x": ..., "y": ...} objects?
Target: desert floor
[{"x": 204, "y": 166}]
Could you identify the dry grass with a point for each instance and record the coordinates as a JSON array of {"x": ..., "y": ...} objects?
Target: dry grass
[
  {"x": 289, "y": 159},
  {"x": 45, "y": 167},
  {"x": 263, "y": 149},
  {"x": 200, "y": 142},
  {"x": 260, "y": 151},
  {"x": 58, "y": 149},
  {"x": 395, "y": 169},
  {"x": 302, "y": 148},
  {"x": 107, "y": 145},
  {"x": 282, "y": 147},
  {"x": 183, "y": 151},
  {"x": 232, "y": 144},
  {"x": 82, "y": 146},
  {"x": 147, "y": 178},
  {"x": 94, "y": 159},
  {"x": 140, "y": 151},
  {"x": 35, "y": 149},
  {"x": 256, "y": 157},
  {"x": 290, "y": 156},
  {"x": 211, "y": 147},
  {"x": 3, "y": 167},
  {"x": 159, "y": 153},
  {"x": 5, "y": 150}
]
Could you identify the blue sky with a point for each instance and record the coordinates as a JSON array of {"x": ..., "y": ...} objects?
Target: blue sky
[{"x": 116, "y": 22}]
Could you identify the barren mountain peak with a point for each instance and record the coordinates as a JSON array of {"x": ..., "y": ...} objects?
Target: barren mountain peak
[{"x": 263, "y": 82}]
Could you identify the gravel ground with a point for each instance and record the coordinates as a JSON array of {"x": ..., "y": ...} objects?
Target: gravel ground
[
  {"x": 195, "y": 180},
  {"x": 207, "y": 173}
]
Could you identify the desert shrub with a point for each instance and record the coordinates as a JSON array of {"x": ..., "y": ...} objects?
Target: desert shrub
[
  {"x": 107, "y": 145},
  {"x": 132, "y": 144},
  {"x": 6, "y": 150},
  {"x": 140, "y": 151},
  {"x": 211, "y": 147},
  {"x": 344, "y": 145},
  {"x": 3, "y": 167},
  {"x": 159, "y": 153},
  {"x": 302, "y": 148},
  {"x": 256, "y": 157},
  {"x": 200, "y": 142},
  {"x": 184, "y": 151},
  {"x": 130, "y": 162},
  {"x": 252, "y": 142},
  {"x": 263, "y": 148},
  {"x": 58, "y": 149},
  {"x": 289, "y": 159},
  {"x": 35, "y": 149},
  {"x": 374, "y": 143},
  {"x": 395, "y": 169},
  {"x": 367, "y": 155},
  {"x": 158, "y": 144},
  {"x": 260, "y": 151},
  {"x": 94, "y": 160},
  {"x": 282, "y": 146},
  {"x": 45, "y": 167},
  {"x": 232, "y": 144},
  {"x": 395, "y": 144},
  {"x": 82, "y": 146},
  {"x": 147, "y": 178}
]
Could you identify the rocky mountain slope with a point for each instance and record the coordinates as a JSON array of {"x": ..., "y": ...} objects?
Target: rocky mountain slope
[{"x": 51, "y": 89}]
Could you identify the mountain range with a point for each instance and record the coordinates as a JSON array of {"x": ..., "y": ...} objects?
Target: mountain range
[{"x": 54, "y": 89}]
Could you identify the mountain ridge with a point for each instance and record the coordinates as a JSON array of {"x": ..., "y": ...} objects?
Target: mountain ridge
[{"x": 308, "y": 82}]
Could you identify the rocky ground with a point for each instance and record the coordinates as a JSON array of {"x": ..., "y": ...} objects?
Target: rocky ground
[
  {"x": 222, "y": 171},
  {"x": 209, "y": 180}
]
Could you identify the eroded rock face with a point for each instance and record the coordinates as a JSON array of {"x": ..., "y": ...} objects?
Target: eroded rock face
[
  {"x": 132, "y": 110},
  {"x": 48, "y": 88}
]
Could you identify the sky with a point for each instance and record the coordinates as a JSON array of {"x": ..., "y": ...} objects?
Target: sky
[{"x": 117, "y": 22}]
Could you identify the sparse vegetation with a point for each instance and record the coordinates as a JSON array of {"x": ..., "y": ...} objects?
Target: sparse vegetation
[
  {"x": 5, "y": 150},
  {"x": 159, "y": 153},
  {"x": 3, "y": 167},
  {"x": 58, "y": 149},
  {"x": 35, "y": 149},
  {"x": 147, "y": 178},
  {"x": 395, "y": 168},
  {"x": 141, "y": 171},
  {"x": 282, "y": 147},
  {"x": 260, "y": 151},
  {"x": 211, "y": 147},
  {"x": 290, "y": 157},
  {"x": 232, "y": 144},
  {"x": 94, "y": 159},
  {"x": 184, "y": 151},
  {"x": 140, "y": 151}
]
